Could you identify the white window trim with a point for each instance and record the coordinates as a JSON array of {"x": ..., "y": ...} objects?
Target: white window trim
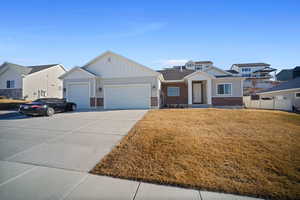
[
  {"x": 296, "y": 95},
  {"x": 173, "y": 95},
  {"x": 224, "y": 89}
]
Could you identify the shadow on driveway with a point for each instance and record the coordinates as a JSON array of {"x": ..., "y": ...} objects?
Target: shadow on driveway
[{"x": 12, "y": 115}]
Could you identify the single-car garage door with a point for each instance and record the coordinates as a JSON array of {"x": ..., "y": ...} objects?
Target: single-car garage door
[
  {"x": 131, "y": 96},
  {"x": 79, "y": 94}
]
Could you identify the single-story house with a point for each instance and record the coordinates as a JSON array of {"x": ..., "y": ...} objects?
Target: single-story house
[
  {"x": 289, "y": 91},
  {"x": 31, "y": 82},
  {"x": 111, "y": 81}
]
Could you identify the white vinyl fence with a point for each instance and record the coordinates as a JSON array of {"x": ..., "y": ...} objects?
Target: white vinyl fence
[{"x": 274, "y": 104}]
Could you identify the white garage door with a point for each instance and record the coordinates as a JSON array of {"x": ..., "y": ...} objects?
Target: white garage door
[
  {"x": 79, "y": 94},
  {"x": 131, "y": 96}
]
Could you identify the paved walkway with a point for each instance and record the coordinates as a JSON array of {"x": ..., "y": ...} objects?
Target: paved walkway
[{"x": 48, "y": 158}]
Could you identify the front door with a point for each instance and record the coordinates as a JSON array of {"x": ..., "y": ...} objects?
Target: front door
[{"x": 197, "y": 93}]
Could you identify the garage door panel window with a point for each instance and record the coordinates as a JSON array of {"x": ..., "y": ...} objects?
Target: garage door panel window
[
  {"x": 173, "y": 91},
  {"x": 297, "y": 95}
]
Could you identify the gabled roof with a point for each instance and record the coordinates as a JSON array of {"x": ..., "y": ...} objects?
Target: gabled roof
[
  {"x": 115, "y": 54},
  {"x": 180, "y": 74},
  {"x": 37, "y": 68},
  {"x": 232, "y": 71},
  {"x": 289, "y": 71},
  {"x": 265, "y": 69},
  {"x": 199, "y": 72},
  {"x": 291, "y": 84},
  {"x": 18, "y": 68},
  {"x": 202, "y": 62},
  {"x": 175, "y": 74},
  {"x": 251, "y": 64},
  {"x": 25, "y": 70},
  {"x": 78, "y": 69},
  {"x": 218, "y": 69}
]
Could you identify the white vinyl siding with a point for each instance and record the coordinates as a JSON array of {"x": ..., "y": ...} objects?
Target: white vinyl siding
[
  {"x": 236, "y": 87},
  {"x": 173, "y": 91},
  {"x": 113, "y": 66},
  {"x": 44, "y": 83}
]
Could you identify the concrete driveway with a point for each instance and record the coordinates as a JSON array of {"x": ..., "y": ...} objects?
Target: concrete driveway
[
  {"x": 72, "y": 141},
  {"x": 48, "y": 158}
]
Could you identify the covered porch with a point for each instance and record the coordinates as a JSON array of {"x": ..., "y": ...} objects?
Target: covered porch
[{"x": 199, "y": 89}]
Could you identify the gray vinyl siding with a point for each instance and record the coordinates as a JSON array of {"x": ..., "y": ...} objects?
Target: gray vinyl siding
[{"x": 236, "y": 87}]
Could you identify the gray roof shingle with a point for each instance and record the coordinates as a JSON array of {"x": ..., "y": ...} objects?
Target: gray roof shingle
[
  {"x": 27, "y": 69},
  {"x": 232, "y": 71},
  {"x": 38, "y": 68},
  {"x": 291, "y": 84}
]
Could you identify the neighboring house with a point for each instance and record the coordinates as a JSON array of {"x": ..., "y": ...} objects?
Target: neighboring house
[
  {"x": 289, "y": 91},
  {"x": 288, "y": 74},
  {"x": 258, "y": 76},
  {"x": 30, "y": 82},
  {"x": 111, "y": 81},
  {"x": 196, "y": 65}
]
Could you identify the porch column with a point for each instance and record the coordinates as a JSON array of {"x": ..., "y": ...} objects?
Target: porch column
[
  {"x": 190, "y": 92},
  {"x": 209, "y": 91}
]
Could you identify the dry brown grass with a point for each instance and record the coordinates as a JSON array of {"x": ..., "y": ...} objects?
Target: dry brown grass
[
  {"x": 12, "y": 101},
  {"x": 247, "y": 152}
]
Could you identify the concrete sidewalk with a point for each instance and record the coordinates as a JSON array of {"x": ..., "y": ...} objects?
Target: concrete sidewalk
[{"x": 26, "y": 182}]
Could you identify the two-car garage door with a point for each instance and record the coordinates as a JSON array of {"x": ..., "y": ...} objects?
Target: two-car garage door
[{"x": 128, "y": 96}]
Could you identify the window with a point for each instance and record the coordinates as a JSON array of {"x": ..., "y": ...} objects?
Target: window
[
  {"x": 10, "y": 84},
  {"x": 246, "y": 75},
  {"x": 224, "y": 89},
  {"x": 42, "y": 93},
  {"x": 199, "y": 68},
  {"x": 173, "y": 91},
  {"x": 297, "y": 94},
  {"x": 246, "y": 69},
  {"x": 280, "y": 97}
]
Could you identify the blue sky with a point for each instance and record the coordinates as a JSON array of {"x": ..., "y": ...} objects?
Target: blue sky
[{"x": 154, "y": 33}]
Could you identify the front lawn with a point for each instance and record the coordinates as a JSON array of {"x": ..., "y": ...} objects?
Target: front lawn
[{"x": 247, "y": 152}]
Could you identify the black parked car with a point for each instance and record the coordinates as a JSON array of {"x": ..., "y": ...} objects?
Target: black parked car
[{"x": 46, "y": 106}]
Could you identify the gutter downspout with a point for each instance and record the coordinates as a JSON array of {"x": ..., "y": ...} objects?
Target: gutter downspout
[{"x": 95, "y": 99}]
